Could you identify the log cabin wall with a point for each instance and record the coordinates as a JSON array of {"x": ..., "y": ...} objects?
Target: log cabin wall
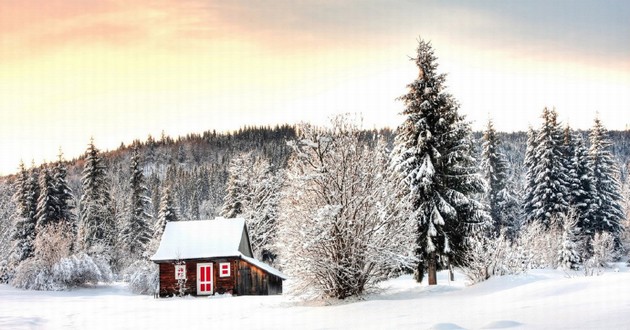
[{"x": 244, "y": 279}]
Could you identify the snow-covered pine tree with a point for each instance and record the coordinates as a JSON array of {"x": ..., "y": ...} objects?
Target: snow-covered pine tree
[
  {"x": 136, "y": 231},
  {"x": 608, "y": 212},
  {"x": 32, "y": 188},
  {"x": 47, "y": 203},
  {"x": 97, "y": 224},
  {"x": 167, "y": 212},
  {"x": 338, "y": 238},
  {"x": 570, "y": 248},
  {"x": 581, "y": 193},
  {"x": 500, "y": 199},
  {"x": 237, "y": 187},
  {"x": 530, "y": 177},
  {"x": 253, "y": 194},
  {"x": 64, "y": 196},
  {"x": 550, "y": 177},
  {"x": 433, "y": 149},
  {"x": 23, "y": 234}
]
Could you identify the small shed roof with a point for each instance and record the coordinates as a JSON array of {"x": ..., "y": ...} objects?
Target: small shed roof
[
  {"x": 201, "y": 239},
  {"x": 264, "y": 267}
]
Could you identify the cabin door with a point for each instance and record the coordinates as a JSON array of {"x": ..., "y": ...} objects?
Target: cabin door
[{"x": 204, "y": 279}]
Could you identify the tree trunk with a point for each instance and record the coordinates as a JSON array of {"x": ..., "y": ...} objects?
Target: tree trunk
[
  {"x": 419, "y": 273},
  {"x": 432, "y": 268}
]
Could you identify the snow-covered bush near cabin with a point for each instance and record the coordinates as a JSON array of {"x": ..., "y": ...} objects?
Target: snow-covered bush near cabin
[
  {"x": 143, "y": 277},
  {"x": 54, "y": 268}
]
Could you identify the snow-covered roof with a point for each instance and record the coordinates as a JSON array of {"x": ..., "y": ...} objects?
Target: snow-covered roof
[
  {"x": 201, "y": 239},
  {"x": 264, "y": 267}
]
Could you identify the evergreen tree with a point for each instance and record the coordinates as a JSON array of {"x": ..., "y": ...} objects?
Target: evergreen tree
[
  {"x": 433, "y": 149},
  {"x": 570, "y": 246},
  {"x": 503, "y": 206},
  {"x": 237, "y": 193},
  {"x": 63, "y": 193},
  {"x": 530, "y": 177},
  {"x": 97, "y": 224},
  {"x": 47, "y": 202},
  {"x": 549, "y": 198},
  {"x": 136, "y": 232},
  {"x": 168, "y": 211},
  {"x": 608, "y": 211},
  {"x": 581, "y": 192},
  {"x": 23, "y": 235}
]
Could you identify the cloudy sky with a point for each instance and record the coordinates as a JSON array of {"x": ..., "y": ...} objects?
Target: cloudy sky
[{"x": 119, "y": 70}]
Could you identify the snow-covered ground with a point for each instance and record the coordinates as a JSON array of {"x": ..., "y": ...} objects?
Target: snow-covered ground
[{"x": 542, "y": 299}]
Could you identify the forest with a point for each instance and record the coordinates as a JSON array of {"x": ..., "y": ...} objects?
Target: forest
[{"x": 368, "y": 204}]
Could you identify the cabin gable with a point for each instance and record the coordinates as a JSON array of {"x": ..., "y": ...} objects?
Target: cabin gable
[{"x": 245, "y": 246}]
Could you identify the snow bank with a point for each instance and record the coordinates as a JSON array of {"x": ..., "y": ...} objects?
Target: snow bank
[{"x": 543, "y": 299}]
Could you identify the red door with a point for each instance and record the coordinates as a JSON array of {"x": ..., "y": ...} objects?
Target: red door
[{"x": 204, "y": 279}]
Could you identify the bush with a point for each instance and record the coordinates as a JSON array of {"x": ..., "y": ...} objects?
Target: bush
[
  {"x": 69, "y": 272},
  {"x": 143, "y": 277},
  {"x": 54, "y": 269}
]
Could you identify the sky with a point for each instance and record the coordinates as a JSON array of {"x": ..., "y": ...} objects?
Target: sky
[{"x": 120, "y": 70}]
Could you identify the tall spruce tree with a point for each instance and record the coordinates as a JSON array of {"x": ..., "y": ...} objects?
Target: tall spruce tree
[
  {"x": 97, "y": 225},
  {"x": 608, "y": 212},
  {"x": 501, "y": 201},
  {"x": 136, "y": 232},
  {"x": 433, "y": 150},
  {"x": 63, "y": 193},
  {"x": 23, "y": 235},
  {"x": 530, "y": 163},
  {"x": 581, "y": 192},
  {"x": 47, "y": 203},
  {"x": 550, "y": 194}
]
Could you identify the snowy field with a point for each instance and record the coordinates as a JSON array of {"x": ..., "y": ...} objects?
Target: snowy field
[{"x": 539, "y": 300}]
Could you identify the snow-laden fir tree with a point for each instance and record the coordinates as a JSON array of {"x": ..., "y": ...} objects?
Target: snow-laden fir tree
[
  {"x": 503, "y": 206},
  {"x": 253, "y": 193},
  {"x": 550, "y": 194},
  {"x": 47, "y": 211},
  {"x": 570, "y": 247},
  {"x": 433, "y": 149},
  {"x": 530, "y": 177},
  {"x": 237, "y": 187},
  {"x": 581, "y": 192},
  {"x": 167, "y": 212},
  {"x": 97, "y": 224},
  {"x": 63, "y": 193},
  {"x": 136, "y": 231},
  {"x": 23, "y": 234},
  {"x": 608, "y": 212},
  {"x": 337, "y": 237}
]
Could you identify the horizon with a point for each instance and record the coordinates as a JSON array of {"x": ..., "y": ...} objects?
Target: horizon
[{"x": 118, "y": 72}]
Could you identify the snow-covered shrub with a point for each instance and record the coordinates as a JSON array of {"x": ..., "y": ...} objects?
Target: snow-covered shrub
[
  {"x": 603, "y": 247},
  {"x": 143, "y": 277},
  {"x": 53, "y": 268},
  {"x": 77, "y": 270},
  {"x": 338, "y": 237}
]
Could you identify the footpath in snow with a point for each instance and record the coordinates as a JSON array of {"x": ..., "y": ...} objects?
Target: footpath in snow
[{"x": 542, "y": 299}]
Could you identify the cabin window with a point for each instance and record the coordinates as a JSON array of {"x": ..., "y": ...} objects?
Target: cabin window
[
  {"x": 180, "y": 272},
  {"x": 224, "y": 269}
]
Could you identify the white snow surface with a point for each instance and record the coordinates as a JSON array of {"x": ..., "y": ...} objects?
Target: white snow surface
[
  {"x": 200, "y": 239},
  {"x": 542, "y": 299}
]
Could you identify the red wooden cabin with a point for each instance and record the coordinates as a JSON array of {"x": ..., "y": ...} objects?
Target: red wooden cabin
[{"x": 212, "y": 256}]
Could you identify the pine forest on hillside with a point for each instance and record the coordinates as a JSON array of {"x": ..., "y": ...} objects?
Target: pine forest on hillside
[{"x": 373, "y": 204}]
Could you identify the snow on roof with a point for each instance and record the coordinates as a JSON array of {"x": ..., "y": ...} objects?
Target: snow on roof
[
  {"x": 200, "y": 239},
  {"x": 264, "y": 267}
]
